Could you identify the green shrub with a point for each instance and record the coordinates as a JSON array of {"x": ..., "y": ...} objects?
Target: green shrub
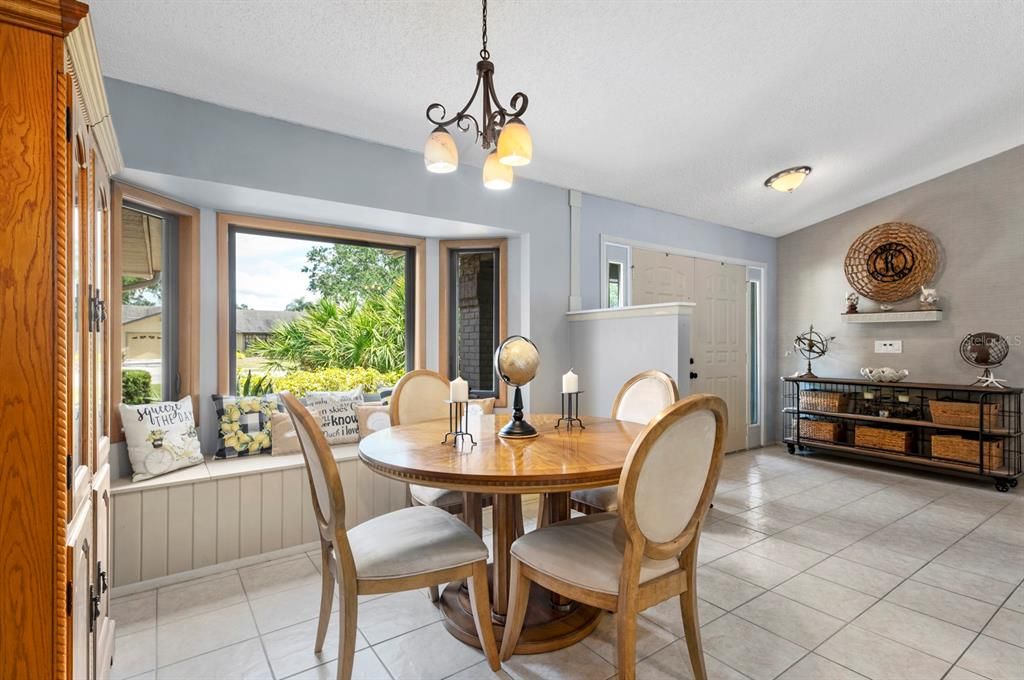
[
  {"x": 335, "y": 380},
  {"x": 249, "y": 387},
  {"x": 351, "y": 335},
  {"x": 135, "y": 386}
]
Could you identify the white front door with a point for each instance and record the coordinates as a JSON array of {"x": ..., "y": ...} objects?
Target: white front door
[
  {"x": 661, "y": 277},
  {"x": 719, "y": 343}
]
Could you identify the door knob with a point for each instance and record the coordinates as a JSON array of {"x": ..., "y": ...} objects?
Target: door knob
[{"x": 693, "y": 375}]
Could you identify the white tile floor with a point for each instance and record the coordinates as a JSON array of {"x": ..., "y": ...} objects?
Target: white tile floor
[{"x": 813, "y": 569}]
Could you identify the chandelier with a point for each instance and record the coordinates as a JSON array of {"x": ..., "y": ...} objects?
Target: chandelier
[{"x": 495, "y": 125}]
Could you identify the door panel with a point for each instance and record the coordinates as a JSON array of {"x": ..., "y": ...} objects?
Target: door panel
[
  {"x": 720, "y": 342},
  {"x": 103, "y": 628},
  {"x": 661, "y": 277},
  {"x": 79, "y": 556}
]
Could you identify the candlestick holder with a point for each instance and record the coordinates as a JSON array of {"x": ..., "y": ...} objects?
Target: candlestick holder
[
  {"x": 570, "y": 411},
  {"x": 456, "y": 420}
]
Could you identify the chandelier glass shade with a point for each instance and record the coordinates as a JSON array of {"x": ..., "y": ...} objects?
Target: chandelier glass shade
[
  {"x": 440, "y": 154},
  {"x": 497, "y": 175},
  {"x": 495, "y": 126}
]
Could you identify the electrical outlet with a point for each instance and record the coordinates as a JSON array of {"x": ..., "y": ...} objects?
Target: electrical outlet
[{"x": 888, "y": 347}]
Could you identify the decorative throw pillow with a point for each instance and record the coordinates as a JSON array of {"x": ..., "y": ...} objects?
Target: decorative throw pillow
[
  {"x": 336, "y": 412},
  {"x": 244, "y": 424},
  {"x": 282, "y": 434},
  {"x": 372, "y": 418},
  {"x": 480, "y": 406},
  {"x": 160, "y": 437}
]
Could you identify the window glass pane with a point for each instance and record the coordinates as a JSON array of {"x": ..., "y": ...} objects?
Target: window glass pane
[
  {"x": 614, "y": 284},
  {"x": 474, "y": 319},
  {"x": 307, "y": 307},
  {"x": 142, "y": 298}
]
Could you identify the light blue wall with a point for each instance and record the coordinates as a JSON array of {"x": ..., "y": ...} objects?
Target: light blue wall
[{"x": 173, "y": 136}]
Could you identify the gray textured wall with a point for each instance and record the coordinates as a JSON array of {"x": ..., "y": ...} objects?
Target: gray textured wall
[{"x": 977, "y": 216}]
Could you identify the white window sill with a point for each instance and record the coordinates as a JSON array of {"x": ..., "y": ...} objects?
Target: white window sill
[{"x": 212, "y": 469}]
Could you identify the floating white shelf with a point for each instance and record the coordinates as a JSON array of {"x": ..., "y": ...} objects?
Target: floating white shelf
[{"x": 894, "y": 317}]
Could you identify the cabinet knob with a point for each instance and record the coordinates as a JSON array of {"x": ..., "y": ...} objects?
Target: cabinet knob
[{"x": 693, "y": 375}]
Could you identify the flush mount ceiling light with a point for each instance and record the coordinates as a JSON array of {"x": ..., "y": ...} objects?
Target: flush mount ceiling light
[
  {"x": 497, "y": 126},
  {"x": 789, "y": 179}
]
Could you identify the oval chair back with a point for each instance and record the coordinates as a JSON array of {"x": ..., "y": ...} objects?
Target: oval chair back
[
  {"x": 324, "y": 479},
  {"x": 670, "y": 476},
  {"x": 419, "y": 396},
  {"x": 644, "y": 396}
]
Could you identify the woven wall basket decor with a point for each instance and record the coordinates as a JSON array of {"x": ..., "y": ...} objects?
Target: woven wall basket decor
[{"x": 891, "y": 262}]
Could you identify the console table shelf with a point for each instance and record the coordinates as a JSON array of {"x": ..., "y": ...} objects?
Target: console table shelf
[{"x": 992, "y": 448}]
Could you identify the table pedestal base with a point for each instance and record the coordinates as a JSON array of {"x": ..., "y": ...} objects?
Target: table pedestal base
[{"x": 547, "y": 628}]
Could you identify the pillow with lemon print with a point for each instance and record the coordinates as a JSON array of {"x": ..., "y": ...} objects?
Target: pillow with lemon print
[{"x": 244, "y": 424}]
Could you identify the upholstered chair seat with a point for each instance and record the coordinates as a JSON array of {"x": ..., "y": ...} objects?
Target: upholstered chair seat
[
  {"x": 438, "y": 498},
  {"x": 413, "y": 541},
  {"x": 604, "y": 497},
  {"x": 642, "y": 397},
  {"x": 586, "y": 552}
]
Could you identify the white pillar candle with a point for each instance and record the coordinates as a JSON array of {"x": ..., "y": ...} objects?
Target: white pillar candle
[
  {"x": 459, "y": 390},
  {"x": 570, "y": 382}
]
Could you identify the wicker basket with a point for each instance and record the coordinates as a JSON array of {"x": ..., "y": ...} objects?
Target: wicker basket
[
  {"x": 884, "y": 439},
  {"x": 955, "y": 447},
  {"x": 962, "y": 413},
  {"x": 821, "y": 400},
  {"x": 822, "y": 430}
]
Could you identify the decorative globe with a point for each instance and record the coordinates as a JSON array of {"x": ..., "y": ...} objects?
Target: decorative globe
[
  {"x": 984, "y": 350},
  {"x": 517, "y": 360}
]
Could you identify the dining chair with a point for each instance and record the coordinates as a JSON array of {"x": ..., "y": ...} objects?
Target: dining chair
[
  {"x": 645, "y": 553},
  {"x": 419, "y": 396},
  {"x": 641, "y": 398},
  {"x": 406, "y": 549}
]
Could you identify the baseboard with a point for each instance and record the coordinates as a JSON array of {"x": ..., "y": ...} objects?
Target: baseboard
[{"x": 182, "y": 576}]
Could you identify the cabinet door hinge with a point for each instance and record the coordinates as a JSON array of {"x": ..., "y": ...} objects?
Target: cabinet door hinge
[
  {"x": 94, "y": 608},
  {"x": 69, "y": 598},
  {"x": 67, "y": 124}
]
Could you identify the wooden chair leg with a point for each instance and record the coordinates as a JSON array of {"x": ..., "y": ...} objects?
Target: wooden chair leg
[
  {"x": 326, "y": 596},
  {"x": 435, "y": 595},
  {"x": 519, "y": 597},
  {"x": 625, "y": 642},
  {"x": 347, "y": 616},
  {"x": 480, "y": 603},
  {"x": 542, "y": 511},
  {"x": 688, "y": 605}
]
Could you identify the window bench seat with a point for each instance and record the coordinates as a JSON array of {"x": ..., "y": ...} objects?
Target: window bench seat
[{"x": 225, "y": 510}]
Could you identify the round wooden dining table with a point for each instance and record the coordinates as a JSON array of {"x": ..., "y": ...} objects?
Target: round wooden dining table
[{"x": 553, "y": 463}]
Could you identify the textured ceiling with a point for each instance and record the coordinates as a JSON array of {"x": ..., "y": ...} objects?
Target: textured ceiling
[{"x": 682, "y": 106}]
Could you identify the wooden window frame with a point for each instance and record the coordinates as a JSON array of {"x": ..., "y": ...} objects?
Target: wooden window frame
[
  {"x": 225, "y": 383},
  {"x": 187, "y": 296},
  {"x": 444, "y": 276}
]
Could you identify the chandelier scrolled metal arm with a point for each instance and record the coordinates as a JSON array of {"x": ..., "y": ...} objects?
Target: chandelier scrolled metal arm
[
  {"x": 494, "y": 114},
  {"x": 496, "y": 124}
]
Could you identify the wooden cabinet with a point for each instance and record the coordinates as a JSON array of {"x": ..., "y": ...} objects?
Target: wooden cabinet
[{"x": 57, "y": 153}]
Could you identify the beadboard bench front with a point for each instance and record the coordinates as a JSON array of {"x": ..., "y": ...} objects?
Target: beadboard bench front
[{"x": 225, "y": 510}]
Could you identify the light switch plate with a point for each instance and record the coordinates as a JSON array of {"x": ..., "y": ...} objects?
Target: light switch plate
[{"x": 888, "y": 347}]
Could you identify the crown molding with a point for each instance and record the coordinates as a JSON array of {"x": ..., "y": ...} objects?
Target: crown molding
[
  {"x": 84, "y": 66},
  {"x": 56, "y": 17}
]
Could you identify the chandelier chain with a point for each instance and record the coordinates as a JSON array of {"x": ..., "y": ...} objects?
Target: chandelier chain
[{"x": 484, "y": 54}]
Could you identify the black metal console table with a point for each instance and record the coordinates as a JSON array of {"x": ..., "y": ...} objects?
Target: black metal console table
[{"x": 825, "y": 414}]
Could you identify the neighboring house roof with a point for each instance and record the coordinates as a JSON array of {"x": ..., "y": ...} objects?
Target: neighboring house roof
[
  {"x": 252, "y": 321},
  {"x": 261, "y": 321},
  {"x": 131, "y": 313}
]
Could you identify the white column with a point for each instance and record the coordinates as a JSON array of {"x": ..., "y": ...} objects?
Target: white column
[{"x": 575, "y": 247}]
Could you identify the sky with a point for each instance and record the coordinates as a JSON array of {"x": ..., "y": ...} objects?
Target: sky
[{"x": 268, "y": 270}]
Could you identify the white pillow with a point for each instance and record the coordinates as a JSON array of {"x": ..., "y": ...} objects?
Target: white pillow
[
  {"x": 161, "y": 437},
  {"x": 336, "y": 412}
]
